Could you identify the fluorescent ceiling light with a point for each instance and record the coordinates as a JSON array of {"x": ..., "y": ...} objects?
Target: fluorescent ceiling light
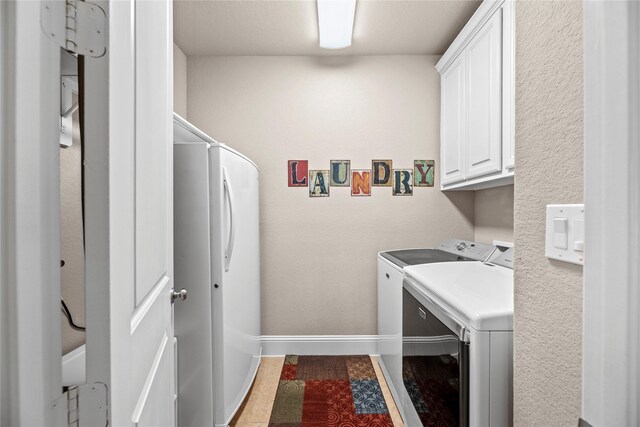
[{"x": 335, "y": 19}]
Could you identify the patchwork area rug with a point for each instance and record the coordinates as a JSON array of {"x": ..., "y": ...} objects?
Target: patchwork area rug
[
  {"x": 329, "y": 391},
  {"x": 432, "y": 384}
]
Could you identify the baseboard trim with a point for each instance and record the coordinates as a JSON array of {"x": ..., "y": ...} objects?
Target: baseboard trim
[{"x": 278, "y": 345}]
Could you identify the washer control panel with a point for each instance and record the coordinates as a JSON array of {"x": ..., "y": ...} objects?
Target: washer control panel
[
  {"x": 505, "y": 259},
  {"x": 468, "y": 249}
]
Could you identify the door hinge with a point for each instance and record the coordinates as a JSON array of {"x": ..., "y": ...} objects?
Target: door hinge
[
  {"x": 75, "y": 25},
  {"x": 86, "y": 405}
]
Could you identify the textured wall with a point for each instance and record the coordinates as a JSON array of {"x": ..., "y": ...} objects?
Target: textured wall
[
  {"x": 319, "y": 255},
  {"x": 179, "y": 81},
  {"x": 494, "y": 214},
  {"x": 549, "y": 169}
]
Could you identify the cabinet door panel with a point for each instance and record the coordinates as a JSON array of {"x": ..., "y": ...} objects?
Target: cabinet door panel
[
  {"x": 508, "y": 89},
  {"x": 453, "y": 123},
  {"x": 484, "y": 73}
]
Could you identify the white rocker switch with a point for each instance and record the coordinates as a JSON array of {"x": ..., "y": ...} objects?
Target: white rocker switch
[
  {"x": 560, "y": 235},
  {"x": 578, "y": 235},
  {"x": 564, "y": 239}
]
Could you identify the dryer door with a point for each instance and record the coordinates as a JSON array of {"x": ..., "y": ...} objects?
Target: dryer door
[{"x": 435, "y": 363}]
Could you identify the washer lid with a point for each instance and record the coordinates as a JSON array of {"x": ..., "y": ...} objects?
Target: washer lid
[
  {"x": 406, "y": 257},
  {"x": 450, "y": 250},
  {"x": 482, "y": 294}
]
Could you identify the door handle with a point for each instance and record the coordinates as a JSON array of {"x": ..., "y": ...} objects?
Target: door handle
[
  {"x": 181, "y": 295},
  {"x": 232, "y": 224}
]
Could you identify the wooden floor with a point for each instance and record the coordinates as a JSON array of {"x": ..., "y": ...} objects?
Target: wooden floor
[{"x": 256, "y": 409}]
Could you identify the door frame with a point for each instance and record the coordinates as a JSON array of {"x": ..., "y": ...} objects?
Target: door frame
[
  {"x": 30, "y": 321},
  {"x": 611, "y": 345},
  {"x": 31, "y": 364}
]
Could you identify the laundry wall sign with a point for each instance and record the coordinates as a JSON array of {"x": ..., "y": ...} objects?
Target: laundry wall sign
[
  {"x": 298, "y": 173},
  {"x": 340, "y": 173},
  {"x": 382, "y": 171},
  {"x": 401, "y": 181},
  {"x": 423, "y": 173},
  {"x": 318, "y": 183},
  {"x": 361, "y": 182}
]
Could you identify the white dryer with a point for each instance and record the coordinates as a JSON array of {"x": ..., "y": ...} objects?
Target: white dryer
[
  {"x": 457, "y": 351},
  {"x": 391, "y": 265}
]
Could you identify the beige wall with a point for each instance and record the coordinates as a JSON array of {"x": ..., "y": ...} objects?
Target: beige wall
[
  {"x": 549, "y": 147},
  {"x": 494, "y": 214},
  {"x": 71, "y": 238},
  {"x": 319, "y": 255},
  {"x": 179, "y": 81}
]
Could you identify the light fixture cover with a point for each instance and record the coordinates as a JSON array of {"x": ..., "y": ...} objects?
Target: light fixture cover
[{"x": 335, "y": 20}]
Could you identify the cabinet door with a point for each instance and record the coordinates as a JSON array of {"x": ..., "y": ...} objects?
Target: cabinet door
[
  {"x": 508, "y": 88},
  {"x": 484, "y": 114},
  {"x": 453, "y": 123}
]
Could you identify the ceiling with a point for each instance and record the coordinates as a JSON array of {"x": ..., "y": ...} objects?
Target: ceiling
[{"x": 290, "y": 27}]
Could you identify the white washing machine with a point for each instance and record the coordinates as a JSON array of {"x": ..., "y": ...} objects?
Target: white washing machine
[
  {"x": 457, "y": 351},
  {"x": 391, "y": 265}
]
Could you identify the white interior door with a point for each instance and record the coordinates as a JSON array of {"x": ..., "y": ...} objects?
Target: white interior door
[{"x": 128, "y": 207}]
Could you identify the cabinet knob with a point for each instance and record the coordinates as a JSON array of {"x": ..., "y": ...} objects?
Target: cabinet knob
[{"x": 387, "y": 274}]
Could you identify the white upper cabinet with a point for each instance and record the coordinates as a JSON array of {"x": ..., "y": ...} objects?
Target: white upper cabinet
[
  {"x": 453, "y": 130},
  {"x": 508, "y": 88},
  {"x": 484, "y": 137},
  {"x": 477, "y": 108}
]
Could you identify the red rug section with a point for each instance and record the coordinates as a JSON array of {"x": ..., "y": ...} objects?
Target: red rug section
[{"x": 318, "y": 391}]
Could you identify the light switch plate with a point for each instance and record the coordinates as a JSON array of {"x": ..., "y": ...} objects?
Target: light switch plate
[{"x": 565, "y": 233}]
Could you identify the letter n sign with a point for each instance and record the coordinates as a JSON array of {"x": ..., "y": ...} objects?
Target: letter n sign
[
  {"x": 298, "y": 173},
  {"x": 361, "y": 182}
]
